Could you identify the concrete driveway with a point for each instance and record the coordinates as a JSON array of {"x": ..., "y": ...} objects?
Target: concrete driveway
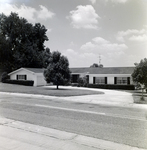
[{"x": 112, "y": 97}]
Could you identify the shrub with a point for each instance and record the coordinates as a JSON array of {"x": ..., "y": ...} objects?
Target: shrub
[
  {"x": 112, "y": 86},
  {"x": 4, "y": 77},
  {"x": 20, "y": 82},
  {"x": 82, "y": 82}
]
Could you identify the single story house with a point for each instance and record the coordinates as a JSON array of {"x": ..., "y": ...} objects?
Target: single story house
[
  {"x": 97, "y": 75},
  {"x": 34, "y": 74},
  {"x": 105, "y": 75}
]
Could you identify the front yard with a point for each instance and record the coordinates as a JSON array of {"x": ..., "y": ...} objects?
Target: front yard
[
  {"x": 45, "y": 90},
  {"x": 137, "y": 94}
]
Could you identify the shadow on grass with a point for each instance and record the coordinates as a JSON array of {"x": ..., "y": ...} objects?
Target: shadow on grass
[
  {"x": 137, "y": 99},
  {"x": 60, "y": 89}
]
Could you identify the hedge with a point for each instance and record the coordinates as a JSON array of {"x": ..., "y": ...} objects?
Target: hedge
[
  {"x": 112, "y": 86},
  {"x": 20, "y": 82}
]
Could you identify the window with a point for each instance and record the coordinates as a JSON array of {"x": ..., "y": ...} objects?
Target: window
[
  {"x": 99, "y": 80},
  {"x": 75, "y": 78},
  {"x": 21, "y": 77},
  {"x": 122, "y": 80}
]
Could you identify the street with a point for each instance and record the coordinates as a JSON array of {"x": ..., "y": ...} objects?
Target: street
[{"x": 126, "y": 125}]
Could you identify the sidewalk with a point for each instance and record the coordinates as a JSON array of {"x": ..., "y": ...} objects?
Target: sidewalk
[{"x": 16, "y": 135}]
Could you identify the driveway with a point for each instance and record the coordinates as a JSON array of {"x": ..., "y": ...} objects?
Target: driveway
[{"x": 112, "y": 97}]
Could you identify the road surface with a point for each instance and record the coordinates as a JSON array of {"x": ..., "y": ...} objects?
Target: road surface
[{"x": 126, "y": 125}]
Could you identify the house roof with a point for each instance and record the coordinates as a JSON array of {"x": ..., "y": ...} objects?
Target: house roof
[
  {"x": 105, "y": 70},
  {"x": 88, "y": 70},
  {"x": 33, "y": 70}
]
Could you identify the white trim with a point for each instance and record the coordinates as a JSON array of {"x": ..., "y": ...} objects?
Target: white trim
[{"x": 20, "y": 70}]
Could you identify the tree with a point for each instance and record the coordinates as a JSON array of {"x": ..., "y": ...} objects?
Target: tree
[
  {"x": 82, "y": 81},
  {"x": 21, "y": 43},
  {"x": 139, "y": 75},
  {"x": 46, "y": 56},
  {"x": 96, "y": 66},
  {"x": 57, "y": 70}
]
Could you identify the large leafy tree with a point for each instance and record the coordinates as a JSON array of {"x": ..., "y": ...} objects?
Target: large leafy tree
[
  {"x": 140, "y": 72},
  {"x": 46, "y": 56},
  {"x": 21, "y": 43},
  {"x": 57, "y": 70}
]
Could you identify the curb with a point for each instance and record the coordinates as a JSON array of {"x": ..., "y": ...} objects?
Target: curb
[{"x": 60, "y": 136}]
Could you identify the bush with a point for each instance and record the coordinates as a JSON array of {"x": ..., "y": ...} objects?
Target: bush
[
  {"x": 4, "y": 77},
  {"x": 82, "y": 82},
  {"x": 112, "y": 86},
  {"x": 20, "y": 82}
]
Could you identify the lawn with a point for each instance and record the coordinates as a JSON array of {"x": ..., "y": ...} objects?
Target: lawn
[
  {"x": 61, "y": 92},
  {"x": 137, "y": 97}
]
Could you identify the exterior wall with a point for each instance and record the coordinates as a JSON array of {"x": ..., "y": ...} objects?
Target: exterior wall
[
  {"x": 30, "y": 76},
  {"x": 38, "y": 78},
  {"x": 110, "y": 77},
  {"x": 110, "y": 80}
]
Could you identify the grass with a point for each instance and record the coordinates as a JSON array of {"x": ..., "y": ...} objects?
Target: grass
[
  {"x": 61, "y": 92},
  {"x": 137, "y": 96}
]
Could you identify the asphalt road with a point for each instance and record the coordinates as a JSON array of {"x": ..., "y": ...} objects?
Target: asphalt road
[{"x": 124, "y": 125}]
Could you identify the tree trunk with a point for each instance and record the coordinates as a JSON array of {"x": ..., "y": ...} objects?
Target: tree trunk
[{"x": 142, "y": 97}]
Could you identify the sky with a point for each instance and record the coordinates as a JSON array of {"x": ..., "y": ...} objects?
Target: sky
[{"x": 110, "y": 32}]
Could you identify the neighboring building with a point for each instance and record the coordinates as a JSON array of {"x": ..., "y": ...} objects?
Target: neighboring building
[
  {"x": 34, "y": 74},
  {"x": 106, "y": 75}
]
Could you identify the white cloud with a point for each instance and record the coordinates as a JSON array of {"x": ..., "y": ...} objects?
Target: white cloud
[
  {"x": 89, "y": 52},
  {"x": 100, "y": 40},
  {"x": 100, "y": 45},
  {"x": 5, "y": 1},
  {"x": 118, "y": 1},
  {"x": 77, "y": 59},
  {"x": 131, "y": 34},
  {"x": 112, "y": 54},
  {"x": 93, "y": 1},
  {"x": 84, "y": 17},
  {"x": 44, "y": 13},
  {"x": 131, "y": 31},
  {"x": 85, "y": 59},
  {"x": 30, "y": 13},
  {"x": 139, "y": 38}
]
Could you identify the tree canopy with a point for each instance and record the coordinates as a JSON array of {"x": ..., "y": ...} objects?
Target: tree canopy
[
  {"x": 21, "y": 43},
  {"x": 140, "y": 72},
  {"x": 95, "y": 65},
  {"x": 57, "y": 70}
]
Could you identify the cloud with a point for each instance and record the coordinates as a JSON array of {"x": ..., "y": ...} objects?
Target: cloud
[
  {"x": 93, "y": 1},
  {"x": 118, "y": 1},
  {"x": 30, "y": 13},
  {"x": 131, "y": 31},
  {"x": 111, "y": 53},
  {"x": 132, "y": 35},
  {"x": 44, "y": 13},
  {"x": 85, "y": 59},
  {"x": 84, "y": 17},
  {"x": 100, "y": 45},
  {"x": 139, "y": 38},
  {"x": 100, "y": 40},
  {"x": 5, "y": 1},
  {"x": 77, "y": 59}
]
